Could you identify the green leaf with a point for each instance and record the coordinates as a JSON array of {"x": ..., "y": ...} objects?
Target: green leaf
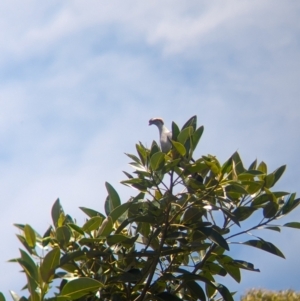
[
  {"x": 245, "y": 265},
  {"x": 185, "y": 135},
  {"x": 261, "y": 199},
  {"x": 63, "y": 235},
  {"x": 113, "y": 200},
  {"x": 242, "y": 213},
  {"x": 80, "y": 287},
  {"x": 76, "y": 228},
  {"x": 106, "y": 227},
  {"x": 278, "y": 173},
  {"x": 56, "y": 212},
  {"x": 154, "y": 148},
  {"x": 237, "y": 163},
  {"x": 236, "y": 188},
  {"x": 273, "y": 228},
  {"x": 142, "y": 152},
  {"x": 252, "y": 186},
  {"x": 2, "y": 298},
  {"x": 119, "y": 211},
  {"x": 265, "y": 246},
  {"x": 196, "y": 137},
  {"x": 233, "y": 271},
  {"x": 195, "y": 290},
  {"x": 134, "y": 158},
  {"x": 270, "y": 210},
  {"x": 47, "y": 236},
  {"x": 291, "y": 204},
  {"x": 49, "y": 264},
  {"x": 269, "y": 180},
  {"x": 116, "y": 239},
  {"x": 179, "y": 148},
  {"x": 165, "y": 296},
  {"x": 157, "y": 161},
  {"x": 175, "y": 131},
  {"x": 15, "y": 296},
  {"x": 215, "y": 237},
  {"x": 263, "y": 168},
  {"x": 191, "y": 122},
  {"x": 92, "y": 224},
  {"x": 30, "y": 270},
  {"x": 25, "y": 244},
  {"x": 224, "y": 292},
  {"x": 295, "y": 225},
  {"x": 30, "y": 236},
  {"x": 91, "y": 212},
  {"x": 253, "y": 165}
]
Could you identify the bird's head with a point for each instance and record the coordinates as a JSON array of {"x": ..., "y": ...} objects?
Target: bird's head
[{"x": 157, "y": 121}]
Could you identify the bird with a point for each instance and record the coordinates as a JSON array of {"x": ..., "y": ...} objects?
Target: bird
[
  {"x": 165, "y": 137},
  {"x": 164, "y": 134}
]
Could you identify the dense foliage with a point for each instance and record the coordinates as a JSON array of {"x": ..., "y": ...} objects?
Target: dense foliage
[
  {"x": 264, "y": 295},
  {"x": 168, "y": 242}
]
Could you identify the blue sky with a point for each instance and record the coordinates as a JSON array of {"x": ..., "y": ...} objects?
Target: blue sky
[{"x": 80, "y": 80}]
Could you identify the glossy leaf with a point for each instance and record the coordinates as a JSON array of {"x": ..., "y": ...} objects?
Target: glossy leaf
[
  {"x": 237, "y": 163},
  {"x": 14, "y": 296},
  {"x": 291, "y": 204},
  {"x": 91, "y": 212},
  {"x": 278, "y": 173},
  {"x": 265, "y": 246},
  {"x": 261, "y": 199},
  {"x": 113, "y": 200},
  {"x": 76, "y": 228},
  {"x": 49, "y": 264},
  {"x": 157, "y": 161},
  {"x": 2, "y": 298},
  {"x": 142, "y": 153},
  {"x": 106, "y": 227},
  {"x": 56, "y": 212},
  {"x": 134, "y": 158},
  {"x": 224, "y": 292},
  {"x": 80, "y": 287},
  {"x": 242, "y": 213},
  {"x": 185, "y": 135},
  {"x": 245, "y": 265},
  {"x": 191, "y": 122},
  {"x": 263, "y": 168},
  {"x": 119, "y": 211},
  {"x": 270, "y": 210},
  {"x": 92, "y": 224},
  {"x": 196, "y": 137},
  {"x": 179, "y": 148},
  {"x": 116, "y": 239},
  {"x": 30, "y": 236},
  {"x": 295, "y": 225},
  {"x": 63, "y": 235},
  {"x": 215, "y": 237},
  {"x": 165, "y": 296},
  {"x": 195, "y": 290},
  {"x": 175, "y": 131}
]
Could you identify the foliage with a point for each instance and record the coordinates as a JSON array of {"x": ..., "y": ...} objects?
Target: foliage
[
  {"x": 168, "y": 242},
  {"x": 264, "y": 295}
]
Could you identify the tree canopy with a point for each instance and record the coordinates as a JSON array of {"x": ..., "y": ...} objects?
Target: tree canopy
[{"x": 167, "y": 242}]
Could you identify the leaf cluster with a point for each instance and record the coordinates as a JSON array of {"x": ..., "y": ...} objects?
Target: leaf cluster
[
  {"x": 169, "y": 241},
  {"x": 264, "y": 295}
]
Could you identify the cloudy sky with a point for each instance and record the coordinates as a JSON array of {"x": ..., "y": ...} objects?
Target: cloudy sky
[{"x": 80, "y": 80}]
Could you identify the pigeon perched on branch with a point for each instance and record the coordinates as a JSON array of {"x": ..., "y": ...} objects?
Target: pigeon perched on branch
[
  {"x": 165, "y": 144},
  {"x": 164, "y": 134}
]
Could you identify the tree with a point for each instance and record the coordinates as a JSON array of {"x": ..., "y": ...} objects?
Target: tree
[
  {"x": 264, "y": 295},
  {"x": 169, "y": 241}
]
